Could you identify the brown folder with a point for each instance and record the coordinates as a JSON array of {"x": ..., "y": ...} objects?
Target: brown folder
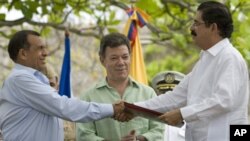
[{"x": 142, "y": 112}]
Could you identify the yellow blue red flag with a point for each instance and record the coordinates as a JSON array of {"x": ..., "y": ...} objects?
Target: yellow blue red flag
[{"x": 137, "y": 68}]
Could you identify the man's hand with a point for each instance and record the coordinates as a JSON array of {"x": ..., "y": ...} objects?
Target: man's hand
[
  {"x": 124, "y": 116},
  {"x": 173, "y": 117},
  {"x": 130, "y": 137},
  {"x": 120, "y": 114},
  {"x": 118, "y": 107}
]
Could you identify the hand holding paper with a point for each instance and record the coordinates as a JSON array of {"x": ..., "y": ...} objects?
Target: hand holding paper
[
  {"x": 142, "y": 112},
  {"x": 173, "y": 117}
]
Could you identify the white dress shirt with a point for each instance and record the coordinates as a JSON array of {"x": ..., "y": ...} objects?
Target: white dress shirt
[
  {"x": 173, "y": 133},
  {"x": 212, "y": 96},
  {"x": 29, "y": 108}
]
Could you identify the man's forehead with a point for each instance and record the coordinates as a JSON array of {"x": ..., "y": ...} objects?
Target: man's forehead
[
  {"x": 198, "y": 15},
  {"x": 35, "y": 39},
  {"x": 115, "y": 50}
]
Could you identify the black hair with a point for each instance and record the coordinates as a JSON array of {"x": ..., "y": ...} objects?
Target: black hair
[
  {"x": 215, "y": 12},
  {"x": 19, "y": 41},
  {"x": 113, "y": 40}
]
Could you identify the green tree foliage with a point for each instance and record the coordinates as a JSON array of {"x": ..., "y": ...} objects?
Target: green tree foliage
[{"x": 167, "y": 44}]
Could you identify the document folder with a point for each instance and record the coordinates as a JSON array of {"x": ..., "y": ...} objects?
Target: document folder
[{"x": 142, "y": 112}]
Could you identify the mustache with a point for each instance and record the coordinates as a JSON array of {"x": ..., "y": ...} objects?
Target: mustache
[{"x": 193, "y": 33}]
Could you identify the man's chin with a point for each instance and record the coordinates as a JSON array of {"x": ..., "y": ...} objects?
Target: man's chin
[
  {"x": 42, "y": 67},
  {"x": 122, "y": 78}
]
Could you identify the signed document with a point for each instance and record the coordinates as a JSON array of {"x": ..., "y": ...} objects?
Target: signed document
[{"x": 143, "y": 112}]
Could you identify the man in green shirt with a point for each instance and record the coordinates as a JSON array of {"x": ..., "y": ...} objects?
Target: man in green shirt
[{"x": 117, "y": 85}]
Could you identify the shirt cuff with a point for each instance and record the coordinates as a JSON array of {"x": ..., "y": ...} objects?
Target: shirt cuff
[
  {"x": 188, "y": 114},
  {"x": 107, "y": 110}
]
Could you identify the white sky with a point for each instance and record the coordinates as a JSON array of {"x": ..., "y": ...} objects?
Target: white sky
[
  {"x": 85, "y": 18},
  {"x": 11, "y": 15}
]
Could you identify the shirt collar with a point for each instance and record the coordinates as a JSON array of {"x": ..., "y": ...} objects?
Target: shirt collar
[
  {"x": 215, "y": 49},
  {"x": 22, "y": 67},
  {"x": 32, "y": 71},
  {"x": 104, "y": 83}
]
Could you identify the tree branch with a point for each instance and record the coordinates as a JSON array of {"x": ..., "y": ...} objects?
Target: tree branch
[{"x": 123, "y": 6}]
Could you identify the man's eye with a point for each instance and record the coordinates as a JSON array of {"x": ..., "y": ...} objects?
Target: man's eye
[{"x": 125, "y": 57}]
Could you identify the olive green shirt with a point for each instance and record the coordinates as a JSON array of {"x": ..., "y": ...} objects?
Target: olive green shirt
[{"x": 112, "y": 130}]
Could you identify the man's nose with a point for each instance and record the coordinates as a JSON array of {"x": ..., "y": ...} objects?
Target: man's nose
[
  {"x": 45, "y": 52},
  {"x": 120, "y": 60}
]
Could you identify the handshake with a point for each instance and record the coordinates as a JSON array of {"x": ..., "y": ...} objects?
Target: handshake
[
  {"x": 119, "y": 112},
  {"x": 173, "y": 117}
]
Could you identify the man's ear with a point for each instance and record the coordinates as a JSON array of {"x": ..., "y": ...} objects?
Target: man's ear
[
  {"x": 22, "y": 54},
  {"x": 214, "y": 27},
  {"x": 101, "y": 60}
]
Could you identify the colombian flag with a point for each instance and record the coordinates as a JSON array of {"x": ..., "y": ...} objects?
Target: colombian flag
[{"x": 136, "y": 18}]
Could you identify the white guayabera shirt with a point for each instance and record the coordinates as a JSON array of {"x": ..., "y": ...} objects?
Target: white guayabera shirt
[{"x": 215, "y": 94}]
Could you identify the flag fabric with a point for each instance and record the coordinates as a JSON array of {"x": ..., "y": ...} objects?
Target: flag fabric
[
  {"x": 64, "y": 85},
  {"x": 137, "y": 68}
]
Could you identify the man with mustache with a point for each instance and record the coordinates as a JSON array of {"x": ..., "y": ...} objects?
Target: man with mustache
[
  {"x": 114, "y": 55},
  {"x": 215, "y": 94}
]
